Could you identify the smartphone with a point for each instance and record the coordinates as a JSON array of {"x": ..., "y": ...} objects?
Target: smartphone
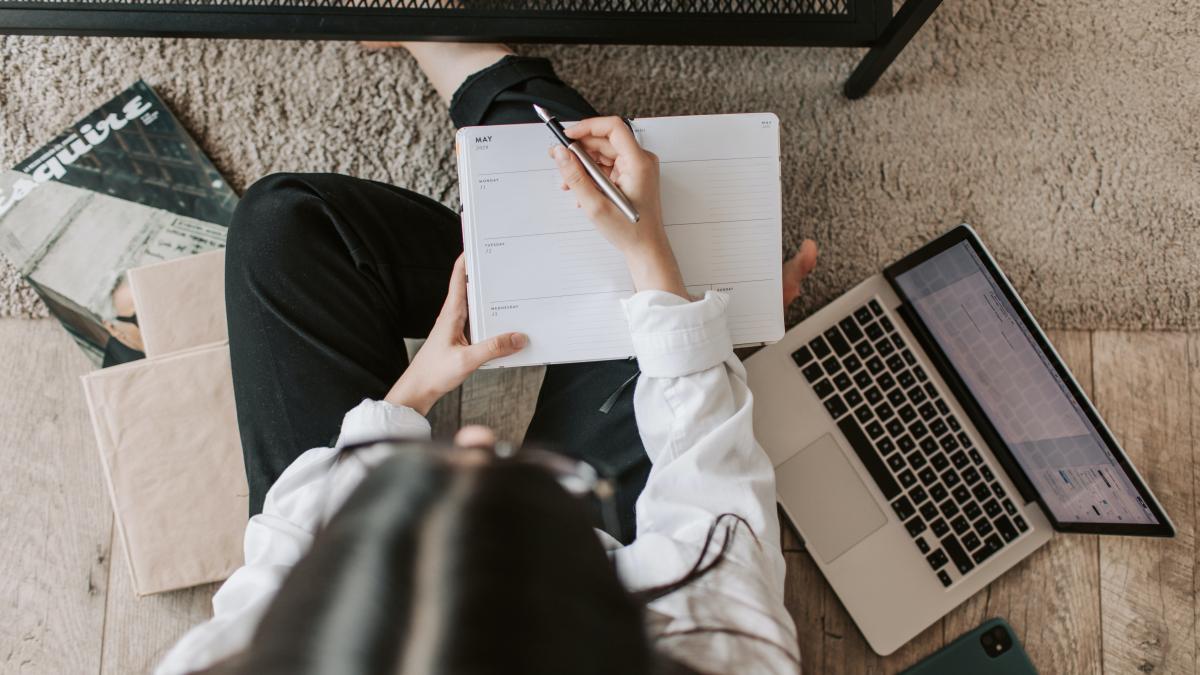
[{"x": 990, "y": 649}]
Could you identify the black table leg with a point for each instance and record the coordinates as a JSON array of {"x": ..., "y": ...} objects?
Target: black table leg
[{"x": 895, "y": 36}]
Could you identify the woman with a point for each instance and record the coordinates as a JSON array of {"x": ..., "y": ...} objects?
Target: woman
[{"x": 473, "y": 559}]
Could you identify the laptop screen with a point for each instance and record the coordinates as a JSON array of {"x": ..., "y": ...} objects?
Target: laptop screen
[{"x": 1020, "y": 391}]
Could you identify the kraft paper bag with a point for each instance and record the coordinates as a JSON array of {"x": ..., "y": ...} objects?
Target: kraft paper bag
[
  {"x": 180, "y": 303},
  {"x": 172, "y": 458}
]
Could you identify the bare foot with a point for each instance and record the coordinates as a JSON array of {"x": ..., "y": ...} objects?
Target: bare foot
[{"x": 796, "y": 269}]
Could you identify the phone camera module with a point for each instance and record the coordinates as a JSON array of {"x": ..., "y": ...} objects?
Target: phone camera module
[{"x": 996, "y": 641}]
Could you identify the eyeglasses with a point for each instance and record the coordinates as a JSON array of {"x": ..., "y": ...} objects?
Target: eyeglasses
[{"x": 579, "y": 478}]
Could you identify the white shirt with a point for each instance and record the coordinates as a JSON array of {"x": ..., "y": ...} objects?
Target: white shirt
[{"x": 694, "y": 414}]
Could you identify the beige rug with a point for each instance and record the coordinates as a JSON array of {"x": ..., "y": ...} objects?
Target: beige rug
[{"x": 1068, "y": 133}]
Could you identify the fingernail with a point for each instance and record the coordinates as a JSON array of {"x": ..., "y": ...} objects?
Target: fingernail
[{"x": 519, "y": 340}]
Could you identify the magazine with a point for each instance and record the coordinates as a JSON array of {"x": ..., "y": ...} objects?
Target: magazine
[{"x": 123, "y": 187}]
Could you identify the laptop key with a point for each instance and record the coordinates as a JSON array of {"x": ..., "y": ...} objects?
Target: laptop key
[
  {"x": 918, "y": 430},
  {"x": 885, "y": 446},
  {"x": 896, "y": 461},
  {"x": 906, "y": 443},
  {"x": 869, "y": 458},
  {"x": 885, "y": 381},
  {"x": 884, "y": 347},
  {"x": 905, "y": 379},
  {"x": 937, "y": 559},
  {"x": 863, "y": 379},
  {"x": 874, "y": 429},
  {"x": 823, "y": 388},
  {"x": 915, "y": 526},
  {"x": 961, "y": 494},
  {"x": 895, "y": 427},
  {"x": 853, "y": 398},
  {"x": 1020, "y": 523},
  {"x": 957, "y": 554},
  {"x": 912, "y": 360},
  {"x": 863, "y": 315},
  {"x": 938, "y": 492},
  {"x": 819, "y": 348},
  {"x": 987, "y": 473},
  {"x": 970, "y": 476},
  {"x": 939, "y": 461},
  {"x": 992, "y": 508},
  {"x": 919, "y": 372},
  {"x": 949, "y": 508},
  {"x": 831, "y": 365},
  {"x": 960, "y": 459},
  {"x": 964, "y": 439},
  {"x": 971, "y": 540},
  {"x": 928, "y": 412},
  {"x": 898, "y": 341},
  {"x": 802, "y": 356},
  {"x": 944, "y": 578},
  {"x": 939, "y": 527},
  {"x": 918, "y": 495},
  {"x": 916, "y": 460},
  {"x": 929, "y": 446},
  {"x": 917, "y": 396},
  {"x": 851, "y": 363},
  {"x": 997, "y": 490},
  {"x": 874, "y": 332},
  {"x": 906, "y": 478},
  {"x": 835, "y": 406},
  {"x": 873, "y": 395},
  {"x": 884, "y": 411},
  {"x": 875, "y": 365},
  {"x": 812, "y": 372},
  {"x": 950, "y": 478},
  {"x": 922, "y": 545},
  {"x": 836, "y": 341},
  {"x": 931, "y": 391},
  {"x": 929, "y": 478},
  {"x": 983, "y": 526},
  {"x": 903, "y": 508},
  {"x": 865, "y": 350},
  {"x": 1009, "y": 508},
  {"x": 981, "y": 492},
  {"x": 1005, "y": 527},
  {"x": 895, "y": 363},
  {"x": 960, "y": 525},
  {"x": 950, "y": 419},
  {"x": 930, "y": 513},
  {"x": 972, "y": 511},
  {"x": 898, "y": 400},
  {"x": 850, "y": 329},
  {"x": 887, "y": 324},
  {"x": 937, "y": 427},
  {"x": 975, "y": 456},
  {"x": 949, "y": 443},
  {"x": 875, "y": 308}
]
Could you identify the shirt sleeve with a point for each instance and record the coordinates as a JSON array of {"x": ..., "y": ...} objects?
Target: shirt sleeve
[
  {"x": 695, "y": 417},
  {"x": 304, "y": 495}
]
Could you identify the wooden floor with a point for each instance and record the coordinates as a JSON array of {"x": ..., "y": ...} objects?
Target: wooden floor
[{"x": 1082, "y": 604}]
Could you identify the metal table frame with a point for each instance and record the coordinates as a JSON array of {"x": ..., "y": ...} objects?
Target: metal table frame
[{"x": 819, "y": 23}]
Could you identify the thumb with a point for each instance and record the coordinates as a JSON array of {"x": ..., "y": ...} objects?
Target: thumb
[
  {"x": 578, "y": 181},
  {"x": 495, "y": 347}
]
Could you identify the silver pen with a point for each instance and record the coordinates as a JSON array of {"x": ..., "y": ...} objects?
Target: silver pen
[{"x": 606, "y": 186}]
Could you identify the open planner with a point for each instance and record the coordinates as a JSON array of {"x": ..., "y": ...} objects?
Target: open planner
[{"x": 537, "y": 265}]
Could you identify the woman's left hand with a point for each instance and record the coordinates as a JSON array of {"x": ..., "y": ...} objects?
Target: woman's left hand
[{"x": 447, "y": 358}]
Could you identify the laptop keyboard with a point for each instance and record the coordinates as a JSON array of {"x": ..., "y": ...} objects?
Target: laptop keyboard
[{"x": 914, "y": 447}]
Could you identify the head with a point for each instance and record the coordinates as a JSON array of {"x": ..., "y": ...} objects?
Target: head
[{"x": 441, "y": 563}]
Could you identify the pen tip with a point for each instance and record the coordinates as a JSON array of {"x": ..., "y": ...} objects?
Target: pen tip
[{"x": 541, "y": 112}]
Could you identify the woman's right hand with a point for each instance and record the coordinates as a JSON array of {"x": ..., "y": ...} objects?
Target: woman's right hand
[{"x": 610, "y": 142}]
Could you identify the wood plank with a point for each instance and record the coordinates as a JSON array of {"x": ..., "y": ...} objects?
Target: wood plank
[
  {"x": 1051, "y": 598},
  {"x": 57, "y": 519},
  {"x": 446, "y": 415},
  {"x": 1147, "y": 587},
  {"x": 503, "y": 399},
  {"x": 139, "y": 631}
]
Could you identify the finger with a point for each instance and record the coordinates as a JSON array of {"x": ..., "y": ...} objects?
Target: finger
[
  {"x": 475, "y": 436},
  {"x": 600, "y": 148},
  {"x": 580, "y": 183},
  {"x": 494, "y": 348},
  {"x": 612, "y": 128}
]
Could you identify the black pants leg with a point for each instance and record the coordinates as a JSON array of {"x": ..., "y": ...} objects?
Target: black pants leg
[{"x": 326, "y": 274}]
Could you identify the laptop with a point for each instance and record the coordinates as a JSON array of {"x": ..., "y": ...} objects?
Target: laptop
[{"x": 926, "y": 438}]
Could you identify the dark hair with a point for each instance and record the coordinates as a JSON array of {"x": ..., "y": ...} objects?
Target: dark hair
[{"x": 434, "y": 568}]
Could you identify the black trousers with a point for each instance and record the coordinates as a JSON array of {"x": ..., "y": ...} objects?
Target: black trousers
[{"x": 326, "y": 274}]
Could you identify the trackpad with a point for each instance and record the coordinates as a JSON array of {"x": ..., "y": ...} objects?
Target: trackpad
[{"x": 831, "y": 506}]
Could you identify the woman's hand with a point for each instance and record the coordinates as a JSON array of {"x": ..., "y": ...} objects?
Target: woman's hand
[
  {"x": 610, "y": 142},
  {"x": 447, "y": 358}
]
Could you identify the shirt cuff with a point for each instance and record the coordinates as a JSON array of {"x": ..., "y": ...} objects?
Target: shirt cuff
[
  {"x": 376, "y": 420},
  {"x": 673, "y": 337}
]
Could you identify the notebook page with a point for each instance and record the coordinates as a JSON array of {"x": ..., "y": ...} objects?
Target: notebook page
[{"x": 538, "y": 266}]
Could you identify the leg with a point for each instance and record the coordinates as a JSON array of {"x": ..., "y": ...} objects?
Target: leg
[
  {"x": 895, "y": 36},
  {"x": 325, "y": 276}
]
